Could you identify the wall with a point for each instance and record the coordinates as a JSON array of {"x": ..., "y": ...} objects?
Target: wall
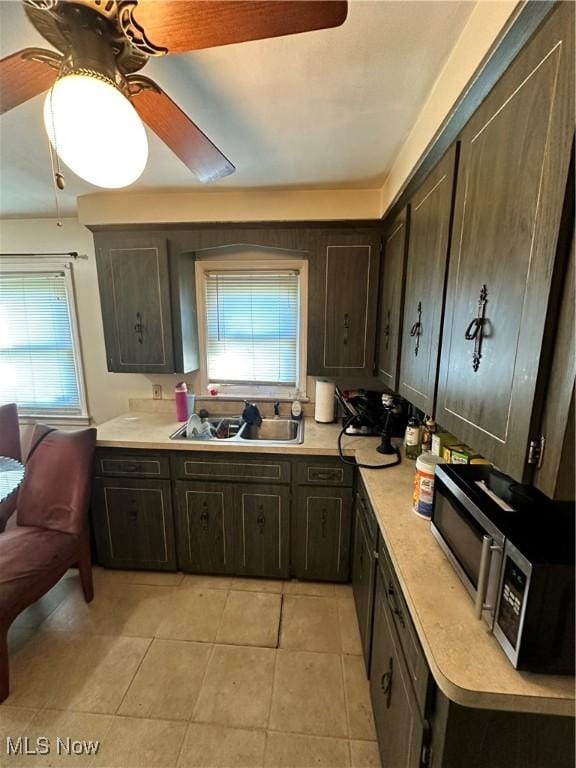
[
  {"x": 483, "y": 28},
  {"x": 107, "y": 393},
  {"x": 248, "y": 205}
]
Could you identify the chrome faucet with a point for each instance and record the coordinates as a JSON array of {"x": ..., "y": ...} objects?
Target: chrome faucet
[{"x": 276, "y": 410}]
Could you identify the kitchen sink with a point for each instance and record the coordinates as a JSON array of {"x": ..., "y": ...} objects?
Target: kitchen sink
[
  {"x": 277, "y": 430},
  {"x": 228, "y": 429}
]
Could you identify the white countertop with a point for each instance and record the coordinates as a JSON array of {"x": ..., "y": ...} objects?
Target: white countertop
[{"x": 467, "y": 663}]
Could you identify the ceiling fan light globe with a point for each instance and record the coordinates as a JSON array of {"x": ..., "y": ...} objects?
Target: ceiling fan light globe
[{"x": 96, "y": 131}]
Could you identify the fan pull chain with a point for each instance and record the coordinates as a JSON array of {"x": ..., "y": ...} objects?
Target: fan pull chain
[{"x": 58, "y": 180}]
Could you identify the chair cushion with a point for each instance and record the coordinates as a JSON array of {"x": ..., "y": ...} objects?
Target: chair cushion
[{"x": 31, "y": 561}]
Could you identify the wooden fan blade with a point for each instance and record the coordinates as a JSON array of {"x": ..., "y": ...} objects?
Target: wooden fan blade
[
  {"x": 176, "y": 130},
  {"x": 186, "y": 25},
  {"x": 22, "y": 78}
]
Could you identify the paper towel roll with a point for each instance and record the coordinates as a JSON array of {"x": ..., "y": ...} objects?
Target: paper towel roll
[{"x": 324, "y": 412}]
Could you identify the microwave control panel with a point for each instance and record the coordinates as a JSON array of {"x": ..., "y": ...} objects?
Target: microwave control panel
[{"x": 511, "y": 600}]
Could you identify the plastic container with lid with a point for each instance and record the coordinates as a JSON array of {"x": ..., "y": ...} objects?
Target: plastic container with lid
[
  {"x": 423, "y": 496},
  {"x": 181, "y": 397}
]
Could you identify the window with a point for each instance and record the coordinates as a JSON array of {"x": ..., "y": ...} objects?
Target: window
[
  {"x": 252, "y": 325},
  {"x": 39, "y": 351}
]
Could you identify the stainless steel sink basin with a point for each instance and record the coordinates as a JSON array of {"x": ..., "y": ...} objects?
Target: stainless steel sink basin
[
  {"x": 278, "y": 430},
  {"x": 223, "y": 428},
  {"x": 230, "y": 429}
]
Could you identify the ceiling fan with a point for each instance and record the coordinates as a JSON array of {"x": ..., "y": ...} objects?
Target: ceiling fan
[{"x": 97, "y": 99}]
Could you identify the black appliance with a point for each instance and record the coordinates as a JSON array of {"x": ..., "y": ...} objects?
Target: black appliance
[
  {"x": 365, "y": 413},
  {"x": 513, "y": 548}
]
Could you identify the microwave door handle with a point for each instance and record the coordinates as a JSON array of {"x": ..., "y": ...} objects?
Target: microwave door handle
[{"x": 483, "y": 576}]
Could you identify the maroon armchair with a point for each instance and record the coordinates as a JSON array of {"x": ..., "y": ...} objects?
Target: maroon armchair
[
  {"x": 51, "y": 534},
  {"x": 9, "y": 446}
]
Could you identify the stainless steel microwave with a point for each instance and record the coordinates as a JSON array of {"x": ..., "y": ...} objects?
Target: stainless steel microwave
[{"x": 513, "y": 549}]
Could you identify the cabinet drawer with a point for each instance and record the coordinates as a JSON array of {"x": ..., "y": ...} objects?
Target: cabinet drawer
[
  {"x": 367, "y": 513},
  {"x": 412, "y": 650},
  {"x": 321, "y": 472},
  {"x": 236, "y": 467},
  {"x": 132, "y": 465}
]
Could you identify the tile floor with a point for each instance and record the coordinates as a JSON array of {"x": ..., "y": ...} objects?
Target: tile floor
[{"x": 182, "y": 671}]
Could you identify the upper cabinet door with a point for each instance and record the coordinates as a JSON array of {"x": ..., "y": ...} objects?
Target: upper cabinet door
[
  {"x": 430, "y": 219},
  {"x": 514, "y": 161},
  {"x": 391, "y": 299},
  {"x": 134, "y": 285},
  {"x": 342, "y": 304}
]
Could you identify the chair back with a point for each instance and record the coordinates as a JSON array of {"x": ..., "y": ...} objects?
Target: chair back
[
  {"x": 10, "y": 432},
  {"x": 56, "y": 488},
  {"x": 9, "y": 446}
]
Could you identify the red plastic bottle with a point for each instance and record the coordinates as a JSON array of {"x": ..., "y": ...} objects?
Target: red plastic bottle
[{"x": 181, "y": 395}]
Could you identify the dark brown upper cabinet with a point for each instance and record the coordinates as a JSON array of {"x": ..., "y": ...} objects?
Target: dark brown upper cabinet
[
  {"x": 430, "y": 220},
  {"x": 135, "y": 295},
  {"x": 392, "y": 299},
  {"x": 148, "y": 299},
  {"x": 342, "y": 303},
  {"x": 514, "y": 161}
]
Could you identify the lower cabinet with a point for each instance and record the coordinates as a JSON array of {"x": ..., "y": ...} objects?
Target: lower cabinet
[
  {"x": 133, "y": 523},
  {"x": 225, "y": 514},
  {"x": 233, "y": 528},
  {"x": 263, "y": 530},
  {"x": 400, "y": 727},
  {"x": 321, "y": 533},
  {"x": 205, "y": 527},
  {"x": 364, "y": 571}
]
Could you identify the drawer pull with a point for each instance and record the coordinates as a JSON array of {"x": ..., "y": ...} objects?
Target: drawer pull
[
  {"x": 324, "y": 475},
  {"x": 391, "y": 592},
  {"x": 131, "y": 467}
]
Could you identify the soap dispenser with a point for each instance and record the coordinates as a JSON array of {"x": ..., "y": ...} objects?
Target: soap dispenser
[{"x": 296, "y": 409}]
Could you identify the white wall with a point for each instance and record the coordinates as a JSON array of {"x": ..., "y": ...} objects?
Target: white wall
[{"x": 107, "y": 393}]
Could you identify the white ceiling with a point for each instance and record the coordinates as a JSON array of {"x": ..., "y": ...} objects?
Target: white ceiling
[{"x": 321, "y": 109}]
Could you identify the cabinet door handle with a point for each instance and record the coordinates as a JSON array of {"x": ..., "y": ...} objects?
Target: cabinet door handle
[
  {"x": 386, "y": 330},
  {"x": 386, "y": 683},
  {"x": 204, "y": 520},
  {"x": 139, "y": 328},
  {"x": 346, "y": 327},
  {"x": 475, "y": 330},
  {"x": 261, "y": 522},
  {"x": 133, "y": 514},
  {"x": 416, "y": 330},
  {"x": 324, "y": 522}
]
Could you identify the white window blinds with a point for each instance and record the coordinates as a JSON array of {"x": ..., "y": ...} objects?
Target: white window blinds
[
  {"x": 252, "y": 324},
  {"x": 38, "y": 362}
]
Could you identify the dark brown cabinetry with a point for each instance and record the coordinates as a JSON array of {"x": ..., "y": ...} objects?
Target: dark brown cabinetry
[
  {"x": 134, "y": 281},
  {"x": 400, "y": 726},
  {"x": 513, "y": 167},
  {"x": 262, "y": 513},
  {"x": 392, "y": 299},
  {"x": 133, "y": 523},
  {"x": 430, "y": 220},
  {"x": 233, "y": 513},
  {"x": 342, "y": 303},
  {"x": 321, "y": 520},
  {"x": 205, "y": 527},
  {"x": 364, "y": 569}
]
